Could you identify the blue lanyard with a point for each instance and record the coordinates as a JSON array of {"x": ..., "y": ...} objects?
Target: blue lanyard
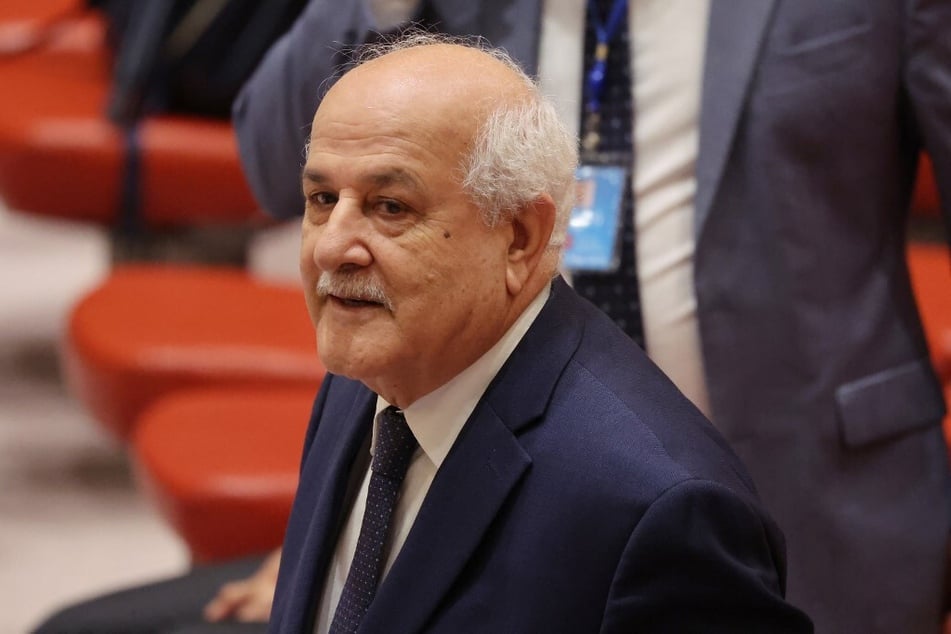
[{"x": 604, "y": 32}]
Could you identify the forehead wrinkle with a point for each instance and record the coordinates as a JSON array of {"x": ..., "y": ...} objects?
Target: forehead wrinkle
[
  {"x": 377, "y": 127},
  {"x": 411, "y": 109},
  {"x": 392, "y": 155},
  {"x": 382, "y": 177}
]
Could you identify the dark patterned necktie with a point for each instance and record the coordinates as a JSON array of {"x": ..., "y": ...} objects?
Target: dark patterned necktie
[
  {"x": 615, "y": 292},
  {"x": 392, "y": 453}
]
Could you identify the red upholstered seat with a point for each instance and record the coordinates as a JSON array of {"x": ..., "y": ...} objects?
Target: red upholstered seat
[
  {"x": 65, "y": 28},
  {"x": 930, "y": 270},
  {"x": 23, "y": 23},
  {"x": 150, "y": 330},
  {"x": 925, "y": 199},
  {"x": 61, "y": 156},
  {"x": 222, "y": 465},
  {"x": 191, "y": 173},
  {"x": 52, "y": 127},
  {"x": 36, "y": 10}
]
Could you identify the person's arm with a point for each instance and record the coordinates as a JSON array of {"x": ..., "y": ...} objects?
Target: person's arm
[
  {"x": 702, "y": 559},
  {"x": 249, "y": 599},
  {"x": 273, "y": 112},
  {"x": 927, "y": 74}
]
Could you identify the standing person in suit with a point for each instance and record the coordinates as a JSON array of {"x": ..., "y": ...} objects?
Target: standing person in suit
[
  {"x": 553, "y": 479},
  {"x": 775, "y": 146}
]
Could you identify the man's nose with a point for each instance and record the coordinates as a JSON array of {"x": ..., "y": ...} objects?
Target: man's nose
[{"x": 341, "y": 240}]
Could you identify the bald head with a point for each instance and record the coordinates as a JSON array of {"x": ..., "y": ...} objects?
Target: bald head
[
  {"x": 427, "y": 74},
  {"x": 441, "y": 92},
  {"x": 475, "y": 100}
]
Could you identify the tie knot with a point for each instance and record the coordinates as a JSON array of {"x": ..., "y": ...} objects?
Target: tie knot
[{"x": 395, "y": 444}]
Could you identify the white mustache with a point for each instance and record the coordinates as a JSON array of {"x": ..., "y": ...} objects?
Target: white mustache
[{"x": 350, "y": 286}]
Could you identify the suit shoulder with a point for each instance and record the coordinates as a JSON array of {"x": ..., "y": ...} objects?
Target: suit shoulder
[{"x": 637, "y": 421}]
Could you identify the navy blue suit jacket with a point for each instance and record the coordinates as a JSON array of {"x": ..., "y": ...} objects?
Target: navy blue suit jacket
[{"x": 584, "y": 494}]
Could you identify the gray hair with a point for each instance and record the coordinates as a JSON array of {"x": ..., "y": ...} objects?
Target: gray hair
[{"x": 521, "y": 151}]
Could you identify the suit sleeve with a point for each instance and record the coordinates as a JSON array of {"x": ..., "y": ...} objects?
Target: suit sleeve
[
  {"x": 702, "y": 559},
  {"x": 273, "y": 111},
  {"x": 928, "y": 86}
]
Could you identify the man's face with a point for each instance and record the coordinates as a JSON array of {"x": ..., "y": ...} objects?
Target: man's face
[{"x": 404, "y": 282}]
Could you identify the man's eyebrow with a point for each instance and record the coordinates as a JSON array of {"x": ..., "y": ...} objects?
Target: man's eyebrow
[
  {"x": 313, "y": 176},
  {"x": 393, "y": 176}
]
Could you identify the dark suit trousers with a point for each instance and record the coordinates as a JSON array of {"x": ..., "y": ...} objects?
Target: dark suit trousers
[{"x": 171, "y": 606}]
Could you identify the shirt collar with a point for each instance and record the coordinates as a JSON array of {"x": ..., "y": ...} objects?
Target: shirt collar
[{"x": 437, "y": 418}]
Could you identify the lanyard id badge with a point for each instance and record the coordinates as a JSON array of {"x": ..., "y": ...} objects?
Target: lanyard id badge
[
  {"x": 595, "y": 221},
  {"x": 594, "y": 226}
]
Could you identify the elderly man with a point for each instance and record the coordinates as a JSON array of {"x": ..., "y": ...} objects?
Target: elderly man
[{"x": 531, "y": 470}]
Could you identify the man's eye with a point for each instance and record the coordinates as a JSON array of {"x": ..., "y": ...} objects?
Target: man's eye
[
  {"x": 390, "y": 207},
  {"x": 322, "y": 198}
]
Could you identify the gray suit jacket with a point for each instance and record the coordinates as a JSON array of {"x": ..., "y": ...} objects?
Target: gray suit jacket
[{"x": 813, "y": 114}]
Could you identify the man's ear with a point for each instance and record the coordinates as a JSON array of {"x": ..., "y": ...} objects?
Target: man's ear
[{"x": 531, "y": 232}]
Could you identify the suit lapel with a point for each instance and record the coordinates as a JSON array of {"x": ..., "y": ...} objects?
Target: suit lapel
[
  {"x": 480, "y": 473},
  {"x": 734, "y": 39},
  {"x": 344, "y": 425},
  {"x": 468, "y": 491}
]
